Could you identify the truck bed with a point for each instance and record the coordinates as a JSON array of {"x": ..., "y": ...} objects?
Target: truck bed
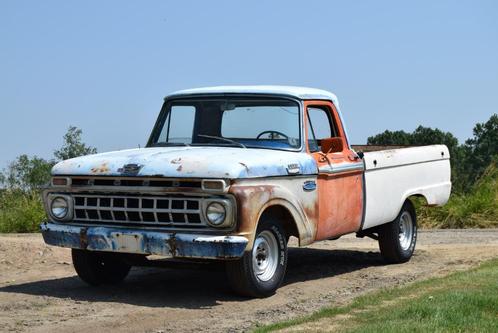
[{"x": 391, "y": 176}]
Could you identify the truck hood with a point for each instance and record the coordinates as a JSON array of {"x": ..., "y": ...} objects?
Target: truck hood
[{"x": 190, "y": 162}]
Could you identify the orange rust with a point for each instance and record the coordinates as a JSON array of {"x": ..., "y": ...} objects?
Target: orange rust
[
  {"x": 250, "y": 199},
  {"x": 340, "y": 204},
  {"x": 312, "y": 212},
  {"x": 100, "y": 169}
]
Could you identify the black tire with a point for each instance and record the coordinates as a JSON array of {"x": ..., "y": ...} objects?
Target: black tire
[
  {"x": 396, "y": 246},
  {"x": 96, "y": 268},
  {"x": 243, "y": 277}
]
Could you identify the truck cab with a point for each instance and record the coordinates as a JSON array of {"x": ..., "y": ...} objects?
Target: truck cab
[{"x": 230, "y": 173}]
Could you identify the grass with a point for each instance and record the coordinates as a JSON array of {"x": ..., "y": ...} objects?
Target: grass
[
  {"x": 476, "y": 209},
  {"x": 461, "y": 302},
  {"x": 20, "y": 211}
]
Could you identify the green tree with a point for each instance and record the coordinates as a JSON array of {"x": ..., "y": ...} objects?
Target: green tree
[
  {"x": 421, "y": 136},
  {"x": 73, "y": 146},
  {"x": 27, "y": 173},
  {"x": 482, "y": 148},
  {"x": 390, "y": 138},
  {"x": 21, "y": 207}
]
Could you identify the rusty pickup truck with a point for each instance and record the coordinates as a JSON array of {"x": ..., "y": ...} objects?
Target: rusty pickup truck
[{"x": 230, "y": 174}]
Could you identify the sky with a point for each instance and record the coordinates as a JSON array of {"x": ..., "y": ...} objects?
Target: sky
[{"x": 105, "y": 66}]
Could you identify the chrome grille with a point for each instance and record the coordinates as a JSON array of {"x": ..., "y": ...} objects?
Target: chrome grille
[{"x": 148, "y": 210}]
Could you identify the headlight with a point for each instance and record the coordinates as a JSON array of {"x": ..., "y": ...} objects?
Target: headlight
[
  {"x": 59, "y": 207},
  {"x": 215, "y": 213}
]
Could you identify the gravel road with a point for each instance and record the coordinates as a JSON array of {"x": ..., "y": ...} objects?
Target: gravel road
[{"x": 39, "y": 291}]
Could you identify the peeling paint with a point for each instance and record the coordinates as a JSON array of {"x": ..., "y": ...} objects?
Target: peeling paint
[
  {"x": 176, "y": 245},
  {"x": 195, "y": 162},
  {"x": 103, "y": 168},
  {"x": 254, "y": 196}
]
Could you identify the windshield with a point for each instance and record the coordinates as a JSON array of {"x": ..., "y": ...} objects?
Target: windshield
[{"x": 237, "y": 122}]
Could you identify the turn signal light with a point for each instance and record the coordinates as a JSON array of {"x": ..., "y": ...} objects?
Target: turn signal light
[{"x": 59, "y": 181}]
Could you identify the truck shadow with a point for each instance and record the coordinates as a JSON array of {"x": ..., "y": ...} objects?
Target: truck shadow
[{"x": 202, "y": 287}]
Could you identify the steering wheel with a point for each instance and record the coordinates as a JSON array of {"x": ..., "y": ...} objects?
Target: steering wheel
[{"x": 275, "y": 132}]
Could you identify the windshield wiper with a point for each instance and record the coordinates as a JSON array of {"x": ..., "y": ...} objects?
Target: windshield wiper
[
  {"x": 170, "y": 144},
  {"x": 223, "y": 139}
]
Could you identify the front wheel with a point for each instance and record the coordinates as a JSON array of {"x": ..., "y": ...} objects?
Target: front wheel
[
  {"x": 97, "y": 268},
  {"x": 397, "y": 239},
  {"x": 261, "y": 271}
]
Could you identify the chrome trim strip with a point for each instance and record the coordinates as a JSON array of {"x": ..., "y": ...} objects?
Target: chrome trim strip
[
  {"x": 342, "y": 167},
  {"x": 374, "y": 168}
]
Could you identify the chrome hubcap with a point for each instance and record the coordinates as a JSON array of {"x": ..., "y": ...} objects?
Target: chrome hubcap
[
  {"x": 265, "y": 256},
  {"x": 405, "y": 230}
]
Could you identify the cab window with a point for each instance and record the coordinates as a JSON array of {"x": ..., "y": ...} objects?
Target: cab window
[{"x": 320, "y": 127}]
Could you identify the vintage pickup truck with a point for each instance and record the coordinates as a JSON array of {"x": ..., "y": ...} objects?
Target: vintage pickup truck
[{"x": 230, "y": 173}]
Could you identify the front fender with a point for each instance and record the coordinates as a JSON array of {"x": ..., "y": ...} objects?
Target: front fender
[{"x": 255, "y": 196}]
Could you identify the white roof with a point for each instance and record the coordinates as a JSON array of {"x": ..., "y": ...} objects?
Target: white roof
[{"x": 297, "y": 92}]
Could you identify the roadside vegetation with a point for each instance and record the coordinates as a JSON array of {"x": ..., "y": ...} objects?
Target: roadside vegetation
[
  {"x": 477, "y": 208},
  {"x": 465, "y": 301},
  {"x": 21, "y": 208},
  {"x": 473, "y": 204}
]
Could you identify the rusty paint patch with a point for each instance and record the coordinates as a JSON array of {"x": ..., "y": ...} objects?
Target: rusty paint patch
[
  {"x": 172, "y": 245},
  {"x": 83, "y": 238},
  {"x": 103, "y": 168},
  {"x": 253, "y": 197}
]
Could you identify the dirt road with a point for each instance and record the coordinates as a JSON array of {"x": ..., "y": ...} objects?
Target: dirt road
[{"x": 39, "y": 291}]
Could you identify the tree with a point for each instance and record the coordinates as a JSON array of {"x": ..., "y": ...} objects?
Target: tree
[
  {"x": 27, "y": 173},
  {"x": 390, "y": 138},
  {"x": 73, "y": 147},
  {"x": 482, "y": 148}
]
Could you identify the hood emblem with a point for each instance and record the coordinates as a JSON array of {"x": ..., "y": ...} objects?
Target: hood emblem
[{"x": 130, "y": 169}]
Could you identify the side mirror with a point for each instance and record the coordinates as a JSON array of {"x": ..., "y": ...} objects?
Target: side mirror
[{"x": 332, "y": 145}]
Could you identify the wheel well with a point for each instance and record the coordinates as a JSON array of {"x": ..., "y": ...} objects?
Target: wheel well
[
  {"x": 412, "y": 200},
  {"x": 418, "y": 199},
  {"x": 284, "y": 217}
]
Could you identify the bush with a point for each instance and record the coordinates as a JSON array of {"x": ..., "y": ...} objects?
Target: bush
[
  {"x": 476, "y": 209},
  {"x": 21, "y": 207},
  {"x": 20, "y": 211}
]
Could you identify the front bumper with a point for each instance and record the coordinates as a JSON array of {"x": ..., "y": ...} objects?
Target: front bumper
[{"x": 127, "y": 240}]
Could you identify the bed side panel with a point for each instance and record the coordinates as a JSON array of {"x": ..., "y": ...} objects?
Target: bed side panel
[{"x": 391, "y": 176}]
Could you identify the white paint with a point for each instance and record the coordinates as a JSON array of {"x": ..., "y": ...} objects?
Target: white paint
[
  {"x": 296, "y": 92},
  {"x": 190, "y": 162},
  {"x": 401, "y": 173}
]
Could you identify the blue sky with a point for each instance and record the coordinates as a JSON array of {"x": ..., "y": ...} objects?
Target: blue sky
[{"x": 105, "y": 66}]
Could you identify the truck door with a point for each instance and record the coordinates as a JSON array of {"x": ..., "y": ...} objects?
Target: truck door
[{"x": 340, "y": 171}]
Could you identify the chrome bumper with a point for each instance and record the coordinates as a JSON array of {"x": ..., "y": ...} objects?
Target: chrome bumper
[{"x": 127, "y": 240}]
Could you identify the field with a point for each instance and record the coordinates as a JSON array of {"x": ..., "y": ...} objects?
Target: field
[
  {"x": 39, "y": 291},
  {"x": 465, "y": 301}
]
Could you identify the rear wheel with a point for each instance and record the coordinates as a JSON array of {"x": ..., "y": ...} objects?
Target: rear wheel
[
  {"x": 97, "y": 268},
  {"x": 261, "y": 271},
  {"x": 397, "y": 239}
]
